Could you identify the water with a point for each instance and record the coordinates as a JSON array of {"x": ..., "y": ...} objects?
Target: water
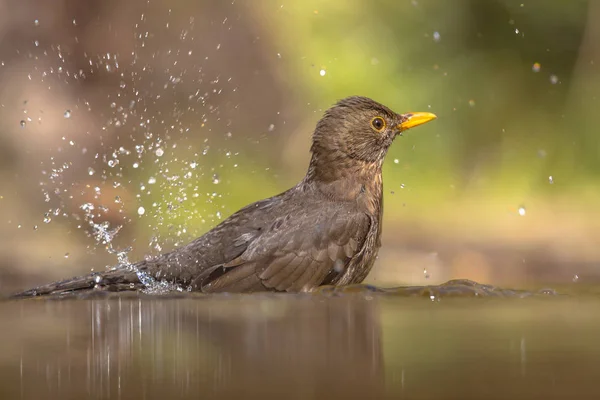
[{"x": 355, "y": 343}]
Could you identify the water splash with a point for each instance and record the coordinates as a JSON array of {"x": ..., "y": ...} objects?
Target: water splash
[{"x": 138, "y": 151}]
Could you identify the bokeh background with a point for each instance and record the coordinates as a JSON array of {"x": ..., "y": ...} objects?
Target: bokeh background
[{"x": 128, "y": 128}]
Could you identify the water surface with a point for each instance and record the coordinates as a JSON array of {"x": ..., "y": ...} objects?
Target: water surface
[{"x": 354, "y": 344}]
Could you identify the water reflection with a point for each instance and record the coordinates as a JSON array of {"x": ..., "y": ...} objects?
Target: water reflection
[
  {"x": 347, "y": 345},
  {"x": 215, "y": 348}
]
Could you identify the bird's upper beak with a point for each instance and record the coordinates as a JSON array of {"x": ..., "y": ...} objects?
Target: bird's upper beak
[{"x": 410, "y": 120}]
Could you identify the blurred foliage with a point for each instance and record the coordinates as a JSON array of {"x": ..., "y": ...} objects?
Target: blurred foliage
[
  {"x": 499, "y": 75},
  {"x": 503, "y": 128}
]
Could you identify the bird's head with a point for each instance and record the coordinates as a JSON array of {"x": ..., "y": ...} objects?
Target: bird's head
[{"x": 359, "y": 131}]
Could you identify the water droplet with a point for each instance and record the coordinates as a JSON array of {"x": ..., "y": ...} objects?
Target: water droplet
[
  {"x": 472, "y": 103},
  {"x": 575, "y": 278},
  {"x": 151, "y": 180},
  {"x": 215, "y": 179},
  {"x": 22, "y": 123},
  {"x": 135, "y": 165},
  {"x": 522, "y": 211},
  {"x": 402, "y": 186},
  {"x": 67, "y": 114},
  {"x": 122, "y": 256},
  {"x": 396, "y": 161},
  {"x": 425, "y": 273},
  {"x": 542, "y": 153},
  {"x": 551, "y": 179},
  {"x": 47, "y": 218},
  {"x": 66, "y": 255},
  {"x": 436, "y": 36},
  {"x": 159, "y": 152},
  {"x": 536, "y": 67},
  {"x": 35, "y": 227},
  {"x": 141, "y": 210},
  {"x": 338, "y": 266},
  {"x": 553, "y": 79},
  {"x": 98, "y": 279},
  {"x": 193, "y": 165},
  {"x": 36, "y": 22},
  {"x": 271, "y": 127},
  {"x": 87, "y": 207},
  {"x": 91, "y": 171},
  {"x": 322, "y": 72}
]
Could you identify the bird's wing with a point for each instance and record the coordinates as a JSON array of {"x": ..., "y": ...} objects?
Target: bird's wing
[{"x": 295, "y": 254}]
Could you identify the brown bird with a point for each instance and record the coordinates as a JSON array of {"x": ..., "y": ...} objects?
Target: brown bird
[{"x": 326, "y": 230}]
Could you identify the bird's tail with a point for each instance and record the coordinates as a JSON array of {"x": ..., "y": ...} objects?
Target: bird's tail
[{"x": 114, "y": 280}]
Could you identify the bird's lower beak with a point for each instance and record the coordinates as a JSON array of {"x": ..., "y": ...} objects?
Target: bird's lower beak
[{"x": 415, "y": 119}]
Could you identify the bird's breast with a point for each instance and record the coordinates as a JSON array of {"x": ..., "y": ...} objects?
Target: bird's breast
[{"x": 370, "y": 195}]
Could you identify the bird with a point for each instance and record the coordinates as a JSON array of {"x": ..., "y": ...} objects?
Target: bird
[{"x": 326, "y": 230}]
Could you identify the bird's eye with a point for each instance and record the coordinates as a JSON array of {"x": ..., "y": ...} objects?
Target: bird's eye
[{"x": 378, "y": 124}]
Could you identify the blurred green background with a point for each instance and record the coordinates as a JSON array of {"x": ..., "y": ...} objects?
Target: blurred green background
[{"x": 167, "y": 117}]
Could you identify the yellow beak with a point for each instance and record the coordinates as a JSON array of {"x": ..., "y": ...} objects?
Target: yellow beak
[{"x": 416, "y": 119}]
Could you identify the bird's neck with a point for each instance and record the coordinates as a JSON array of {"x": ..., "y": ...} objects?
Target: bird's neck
[{"x": 343, "y": 179}]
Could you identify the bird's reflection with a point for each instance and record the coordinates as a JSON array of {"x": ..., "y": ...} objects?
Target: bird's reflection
[{"x": 221, "y": 347}]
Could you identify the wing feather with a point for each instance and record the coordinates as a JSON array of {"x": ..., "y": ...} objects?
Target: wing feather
[
  {"x": 284, "y": 279},
  {"x": 278, "y": 264},
  {"x": 296, "y": 254}
]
